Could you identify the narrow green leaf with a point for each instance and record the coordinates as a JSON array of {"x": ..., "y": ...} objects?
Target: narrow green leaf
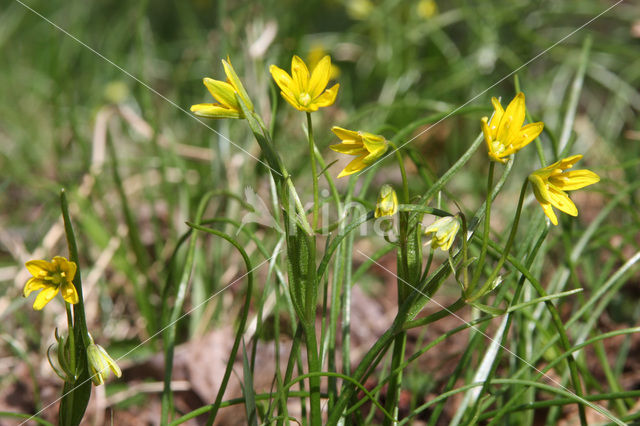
[{"x": 248, "y": 390}]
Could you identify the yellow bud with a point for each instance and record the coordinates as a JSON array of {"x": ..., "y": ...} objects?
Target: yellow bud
[
  {"x": 387, "y": 202},
  {"x": 100, "y": 363}
]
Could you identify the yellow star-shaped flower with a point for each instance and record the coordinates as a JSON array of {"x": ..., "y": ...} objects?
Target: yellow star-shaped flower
[
  {"x": 504, "y": 134},
  {"x": 51, "y": 277},
  {"x": 367, "y": 148},
  {"x": 551, "y": 182},
  {"x": 304, "y": 91}
]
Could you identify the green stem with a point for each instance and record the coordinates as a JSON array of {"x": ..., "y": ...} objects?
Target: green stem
[
  {"x": 543, "y": 161},
  {"x": 487, "y": 230},
  {"x": 332, "y": 186},
  {"x": 314, "y": 367},
  {"x": 72, "y": 352},
  {"x": 405, "y": 184},
  {"x": 80, "y": 321},
  {"x": 75, "y": 395},
  {"x": 314, "y": 172},
  {"x": 395, "y": 381},
  {"x": 400, "y": 341},
  {"x": 514, "y": 228}
]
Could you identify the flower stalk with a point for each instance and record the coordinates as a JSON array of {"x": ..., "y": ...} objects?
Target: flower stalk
[{"x": 314, "y": 172}]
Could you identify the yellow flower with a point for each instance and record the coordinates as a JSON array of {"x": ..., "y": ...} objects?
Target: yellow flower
[
  {"x": 387, "y": 204},
  {"x": 304, "y": 92},
  {"x": 427, "y": 8},
  {"x": 366, "y": 146},
  {"x": 51, "y": 277},
  {"x": 505, "y": 134},
  {"x": 549, "y": 184},
  {"x": 444, "y": 231},
  {"x": 100, "y": 363},
  {"x": 225, "y": 93},
  {"x": 359, "y": 9}
]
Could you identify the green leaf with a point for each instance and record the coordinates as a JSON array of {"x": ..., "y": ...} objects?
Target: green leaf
[
  {"x": 247, "y": 390},
  {"x": 488, "y": 309},
  {"x": 75, "y": 396}
]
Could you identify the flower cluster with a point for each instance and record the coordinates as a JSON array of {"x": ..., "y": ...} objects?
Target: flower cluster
[
  {"x": 56, "y": 277},
  {"x": 304, "y": 90},
  {"x": 505, "y": 135}
]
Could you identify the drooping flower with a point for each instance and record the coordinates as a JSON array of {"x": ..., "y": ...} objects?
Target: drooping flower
[
  {"x": 444, "y": 231},
  {"x": 51, "y": 277},
  {"x": 304, "y": 91},
  {"x": 551, "y": 182},
  {"x": 225, "y": 93},
  {"x": 387, "y": 204},
  {"x": 367, "y": 148},
  {"x": 504, "y": 134},
  {"x": 100, "y": 363}
]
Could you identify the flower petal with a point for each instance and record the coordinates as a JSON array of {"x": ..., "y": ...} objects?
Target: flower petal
[
  {"x": 45, "y": 297},
  {"x": 320, "y": 77},
  {"x": 498, "y": 157},
  {"x": 345, "y": 134},
  {"x": 40, "y": 268},
  {"x": 350, "y": 148},
  {"x": 282, "y": 79},
  {"x": 292, "y": 101},
  {"x": 353, "y": 167},
  {"x": 562, "y": 201},
  {"x": 527, "y": 134},
  {"x": 68, "y": 267},
  {"x": 236, "y": 83},
  {"x": 222, "y": 91},
  {"x": 374, "y": 143},
  {"x": 567, "y": 163},
  {"x": 69, "y": 293},
  {"x": 112, "y": 364},
  {"x": 214, "y": 111},
  {"x": 300, "y": 74},
  {"x": 576, "y": 179},
  {"x": 327, "y": 98},
  {"x": 539, "y": 188},
  {"x": 548, "y": 211},
  {"x": 497, "y": 115},
  {"x": 486, "y": 131},
  {"x": 34, "y": 284},
  {"x": 511, "y": 120}
]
